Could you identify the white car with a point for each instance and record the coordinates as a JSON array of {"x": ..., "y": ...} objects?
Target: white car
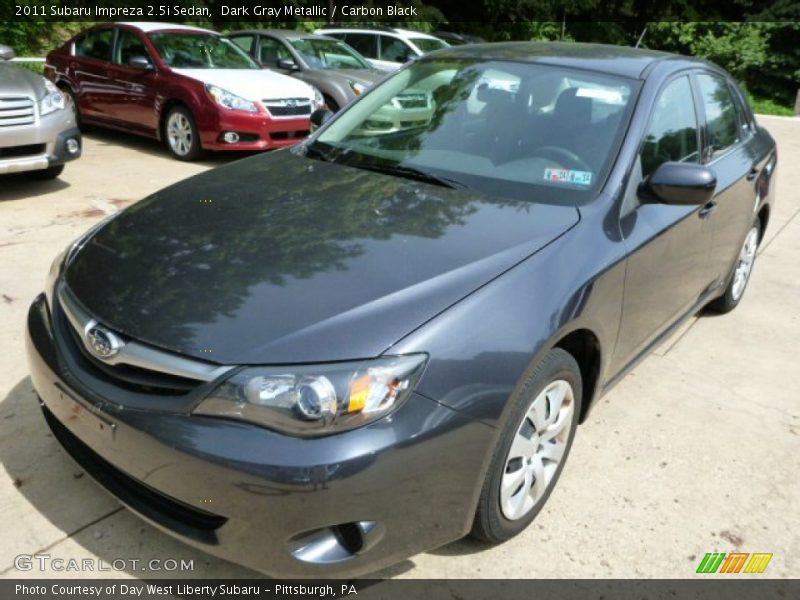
[{"x": 387, "y": 49}]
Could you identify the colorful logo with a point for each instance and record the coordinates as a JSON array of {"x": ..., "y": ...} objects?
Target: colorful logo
[{"x": 734, "y": 562}]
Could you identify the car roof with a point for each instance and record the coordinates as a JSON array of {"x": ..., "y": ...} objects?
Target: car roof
[
  {"x": 405, "y": 33},
  {"x": 286, "y": 34},
  {"x": 147, "y": 27},
  {"x": 623, "y": 61}
]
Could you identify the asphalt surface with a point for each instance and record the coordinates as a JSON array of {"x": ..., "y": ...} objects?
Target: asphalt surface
[{"x": 695, "y": 451}]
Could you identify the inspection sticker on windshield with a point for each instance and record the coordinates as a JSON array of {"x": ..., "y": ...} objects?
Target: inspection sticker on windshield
[{"x": 568, "y": 176}]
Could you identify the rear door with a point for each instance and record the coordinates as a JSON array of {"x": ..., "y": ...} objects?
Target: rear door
[
  {"x": 730, "y": 151},
  {"x": 90, "y": 72},
  {"x": 668, "y": 246},
  {"x": 134, "y": 90}
]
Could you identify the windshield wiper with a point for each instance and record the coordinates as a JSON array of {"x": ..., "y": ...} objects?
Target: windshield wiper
[{"x": 413, "y": 173}]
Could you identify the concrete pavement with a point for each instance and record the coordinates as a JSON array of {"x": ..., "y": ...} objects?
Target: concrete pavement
[{"x": 695, "y": 451}]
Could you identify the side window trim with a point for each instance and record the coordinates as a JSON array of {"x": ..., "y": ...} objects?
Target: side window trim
[{"x": 118, "y": 40}]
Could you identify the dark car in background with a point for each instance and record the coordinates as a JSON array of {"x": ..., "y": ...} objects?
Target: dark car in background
[
  {"x": 328, "y": 64},
  {"x": 373, "y": 344},
  {"x": 188, "y": 87}
]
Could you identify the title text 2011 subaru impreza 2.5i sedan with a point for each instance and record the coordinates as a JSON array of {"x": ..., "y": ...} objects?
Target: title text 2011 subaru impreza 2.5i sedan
[{"x": 321, "y": 361}]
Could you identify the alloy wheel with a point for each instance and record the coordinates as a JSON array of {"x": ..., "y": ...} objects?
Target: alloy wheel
[
  {"x": 744, "y": 264},
  {"x": 179, "y": 134}
]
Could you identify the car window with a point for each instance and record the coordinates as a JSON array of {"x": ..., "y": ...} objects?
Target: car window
[
  {"x": 200, "y": 51},
  {"x": 95, "y": 44},
  {"x": 721, "y": 123},
  {"x": 518, "y": 130},
  {"x": 270, "y": 51},
  {"x": 745, "y": 127},
  {"x": 395, "y": 50},
  {"x": 672, "y": 133},
  {"x": 245, "y": 42},
  {"x": 364, "y": 43},
  {"x": 428, "y": 44},
  {"x": 128, "y": 45},
  {"x": 320, "y": 53}
]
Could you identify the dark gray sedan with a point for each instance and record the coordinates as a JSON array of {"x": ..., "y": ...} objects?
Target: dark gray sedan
[
  {"x": 330, "y": 65},
  {"x": 323, "y": 360}
]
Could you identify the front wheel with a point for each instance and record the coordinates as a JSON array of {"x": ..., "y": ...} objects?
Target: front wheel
[
  {"x": 532, "y": 448},
  {"x": 183, "y": 140},
  {"x": 741, "y": 272}
]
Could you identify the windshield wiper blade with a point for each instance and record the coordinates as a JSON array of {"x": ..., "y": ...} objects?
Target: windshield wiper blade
[{"x": 415, "y": 174}]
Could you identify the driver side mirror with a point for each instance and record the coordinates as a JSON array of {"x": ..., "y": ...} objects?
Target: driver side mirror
[
  {"x": 680, "y": 184},
  {"x": 6, "y": 53},
  {"x": 319, "y": 117},
  {"x": 140, "y": 62},
  {"x": 287, "y": 64}
]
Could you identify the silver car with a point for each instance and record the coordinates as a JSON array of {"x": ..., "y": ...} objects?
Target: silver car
[{"x": 38, "y": 131}]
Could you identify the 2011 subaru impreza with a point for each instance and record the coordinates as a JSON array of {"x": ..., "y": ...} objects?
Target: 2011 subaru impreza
[{"x": 321, "y": 361}]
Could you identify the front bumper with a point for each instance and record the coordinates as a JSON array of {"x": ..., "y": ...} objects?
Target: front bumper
[
  {"x": 40, "y": 145},
  {"x": 337, "y": 506},
  {"x": 256, "y": 131}
]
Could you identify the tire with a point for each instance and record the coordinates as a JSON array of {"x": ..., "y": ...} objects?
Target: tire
[
  {"x": 180, "y": 134},
  {"x": 47, "y": 174},
  {"x": 332, "y": 105},
  {"x": 742, "y": 269},
  {"x": 502, "y": 515}
]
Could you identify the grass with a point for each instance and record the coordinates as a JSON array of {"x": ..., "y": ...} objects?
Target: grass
[{"x": 765, "y": 106}]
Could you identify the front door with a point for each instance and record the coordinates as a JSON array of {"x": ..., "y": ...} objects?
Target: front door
[
  {"x": 134, "y": 89},
  {"x": 668, "y": 246}
]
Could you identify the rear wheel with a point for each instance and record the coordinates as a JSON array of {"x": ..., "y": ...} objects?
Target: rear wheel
[
  {"x": 181, "y": 134},
  {"x": 532, "y": 448},
  {"x": 741, "y": 272}
]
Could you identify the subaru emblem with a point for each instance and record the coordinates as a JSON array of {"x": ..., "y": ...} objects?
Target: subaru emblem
[{"x": 102, "y": 343}]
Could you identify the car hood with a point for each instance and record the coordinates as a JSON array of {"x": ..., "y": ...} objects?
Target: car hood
[
  {"x": 283, "y": 259},
  {"x": 16, "y": 80},
  {"x": 253, "y": 85}
]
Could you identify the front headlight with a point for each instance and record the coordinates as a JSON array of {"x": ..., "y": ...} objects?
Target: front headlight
[
  {"x": 231, "y": 101},
  {"x": 318, "y": 101},
  {"x": 53, "y": 100},
  {"x": 358, "y": 88},
  {"x": 316, "y": 400}
]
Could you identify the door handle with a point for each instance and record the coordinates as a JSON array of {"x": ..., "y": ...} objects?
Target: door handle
[
  {"x": 752, "y": 174},
  {"x": 707, "y": 209}
]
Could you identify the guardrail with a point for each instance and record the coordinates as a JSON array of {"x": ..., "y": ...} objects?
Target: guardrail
[{"x": 28, "y": 59}]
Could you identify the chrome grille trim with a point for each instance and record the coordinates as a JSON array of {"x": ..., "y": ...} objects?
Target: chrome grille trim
[
  {"x": 17, "y": 110},
  {"x": 134, "y": 353},
  {"x": 287, "y": 107}
]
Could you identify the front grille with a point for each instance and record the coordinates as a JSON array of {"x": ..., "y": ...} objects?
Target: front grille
[
  {"x": 413, "y": 100},
  {"x": 129, "y": 377},
  {"x": 288, "y": 107},
  {"x": 288, "y": 135},
  {"x": 18, "y": 151},
  {"x": 168, "y": 512},
  {"x": 16, "y": 111}
]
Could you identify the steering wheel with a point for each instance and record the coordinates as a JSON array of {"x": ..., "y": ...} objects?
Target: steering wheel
[{"x": 564, "y": 157}]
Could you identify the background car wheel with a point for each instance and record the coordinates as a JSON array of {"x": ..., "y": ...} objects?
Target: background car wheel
[
  {"x": 47, "y": 174},
  {"x": 741, "y": 272},
  {"x": 332, "y": 105},
  {"x": 532, "y": 448},
  {"x": 181, "y": 134}
]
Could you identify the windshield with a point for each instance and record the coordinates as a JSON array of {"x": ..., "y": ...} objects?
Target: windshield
[
  {"x": 428, "y": 44},
  {"x": 329, "y": 54},
  {"x": 200, "y": 51},
  {"x": 523, "y": 131}
]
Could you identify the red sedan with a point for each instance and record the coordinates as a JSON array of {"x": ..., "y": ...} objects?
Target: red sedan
[{"x": 190, "y": 87}]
